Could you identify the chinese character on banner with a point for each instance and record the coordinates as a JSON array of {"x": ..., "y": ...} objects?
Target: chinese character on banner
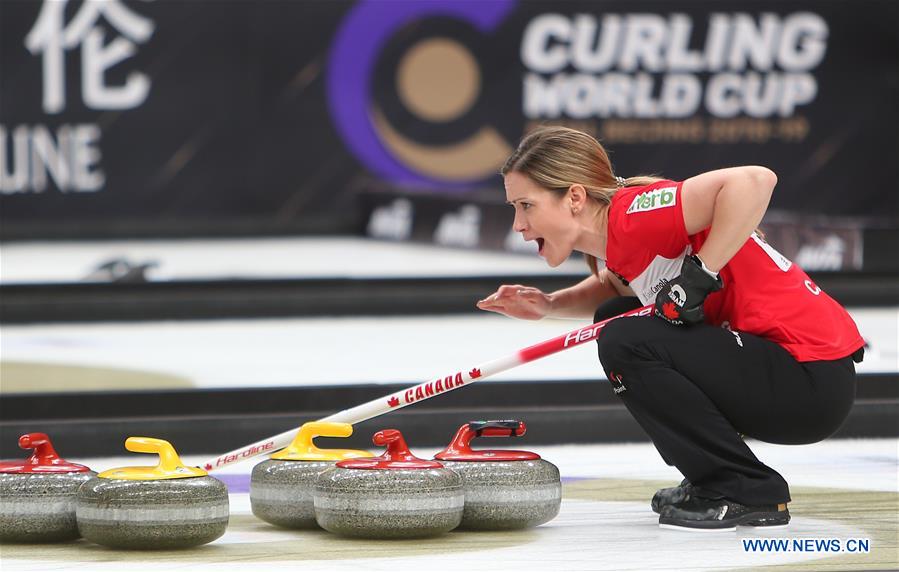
[{"x": 50, "y": 37}]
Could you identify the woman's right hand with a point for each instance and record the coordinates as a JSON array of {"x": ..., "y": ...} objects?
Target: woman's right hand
[{"x": 517, "y": 301}]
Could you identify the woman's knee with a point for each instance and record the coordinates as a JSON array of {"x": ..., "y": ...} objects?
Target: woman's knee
[{"x": 619, "y": 339}]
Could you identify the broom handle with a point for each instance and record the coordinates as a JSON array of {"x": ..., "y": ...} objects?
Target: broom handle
[{"x": 426, "y": 390}]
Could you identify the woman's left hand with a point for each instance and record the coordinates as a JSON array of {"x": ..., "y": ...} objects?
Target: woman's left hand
[
  {"x": 680, "y": 301},
  {"x": 517, "y": 301}
]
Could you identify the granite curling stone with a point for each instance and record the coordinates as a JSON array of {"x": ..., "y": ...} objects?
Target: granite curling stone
[
  {"x": 37, "y": 495},
  {"x": 396, "y": 495},
  {"x": 167, "y": 506},
  {"x": 281, "y": 488},
  {"x": 504, "y": 489}
]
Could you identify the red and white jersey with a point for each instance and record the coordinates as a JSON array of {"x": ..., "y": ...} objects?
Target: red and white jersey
[{"x": 764, "y": 293}]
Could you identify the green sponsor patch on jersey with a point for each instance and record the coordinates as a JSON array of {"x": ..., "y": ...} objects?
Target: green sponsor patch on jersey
[{"x": 654, "y": 199}]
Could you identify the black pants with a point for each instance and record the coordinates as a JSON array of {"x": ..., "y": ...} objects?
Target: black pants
[{"x": 696, "y": 390}]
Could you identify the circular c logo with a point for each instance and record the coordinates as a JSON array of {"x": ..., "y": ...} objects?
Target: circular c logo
[
  {"x": 438, "y": 80},
  {"x": 813, "y": 288},
  {"x": 678, "y": 295}
]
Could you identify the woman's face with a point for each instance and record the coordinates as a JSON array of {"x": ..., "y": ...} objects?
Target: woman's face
[{"x": 543, "y": 216}]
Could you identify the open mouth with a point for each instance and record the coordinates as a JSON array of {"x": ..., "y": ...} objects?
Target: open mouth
[{"x": 539, "y": 246}]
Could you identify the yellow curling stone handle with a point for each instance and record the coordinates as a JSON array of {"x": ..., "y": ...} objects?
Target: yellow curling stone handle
[
  {"x": 303, "y": 449},
  {"x": 169, "y": 467}
]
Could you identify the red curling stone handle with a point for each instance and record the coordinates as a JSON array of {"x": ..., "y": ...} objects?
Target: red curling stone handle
[
  {"x": 44, "y": 453},
  {"x": 461, "y": 443},
  {"x": 397, "y": 455},
  {"x": 397, "y": 449},
  {"x": 460, "y": 449},
  {"x": 505, "y": 428}
]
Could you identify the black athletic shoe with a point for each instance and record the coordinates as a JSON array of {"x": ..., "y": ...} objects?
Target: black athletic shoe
[
  {"x": 671, "y": 495},
  {"x": 698, "y": 513}
]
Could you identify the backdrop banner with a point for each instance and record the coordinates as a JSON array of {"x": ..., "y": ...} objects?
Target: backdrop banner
[
  {"x": 156, "y": 118},
  {"x": 817, "y": 243}
]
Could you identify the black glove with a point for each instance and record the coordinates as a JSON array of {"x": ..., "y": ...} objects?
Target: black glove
[{"x": 680, "y": 301}]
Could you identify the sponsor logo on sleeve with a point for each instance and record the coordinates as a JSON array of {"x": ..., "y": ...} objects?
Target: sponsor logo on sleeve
[{"x": 654, "y": 199}]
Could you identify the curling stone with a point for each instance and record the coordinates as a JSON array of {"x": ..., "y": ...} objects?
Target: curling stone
[
  {"x": 396, "y": 495},
  {"x": 37, "y": 495},
  {"x": 504, "y": 490},
  {"x": 281, "y": 488},
  {"x": 167, "y": 506}
]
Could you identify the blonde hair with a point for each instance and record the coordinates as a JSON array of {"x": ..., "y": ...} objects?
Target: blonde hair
[{"x": 557, "y": 157}]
